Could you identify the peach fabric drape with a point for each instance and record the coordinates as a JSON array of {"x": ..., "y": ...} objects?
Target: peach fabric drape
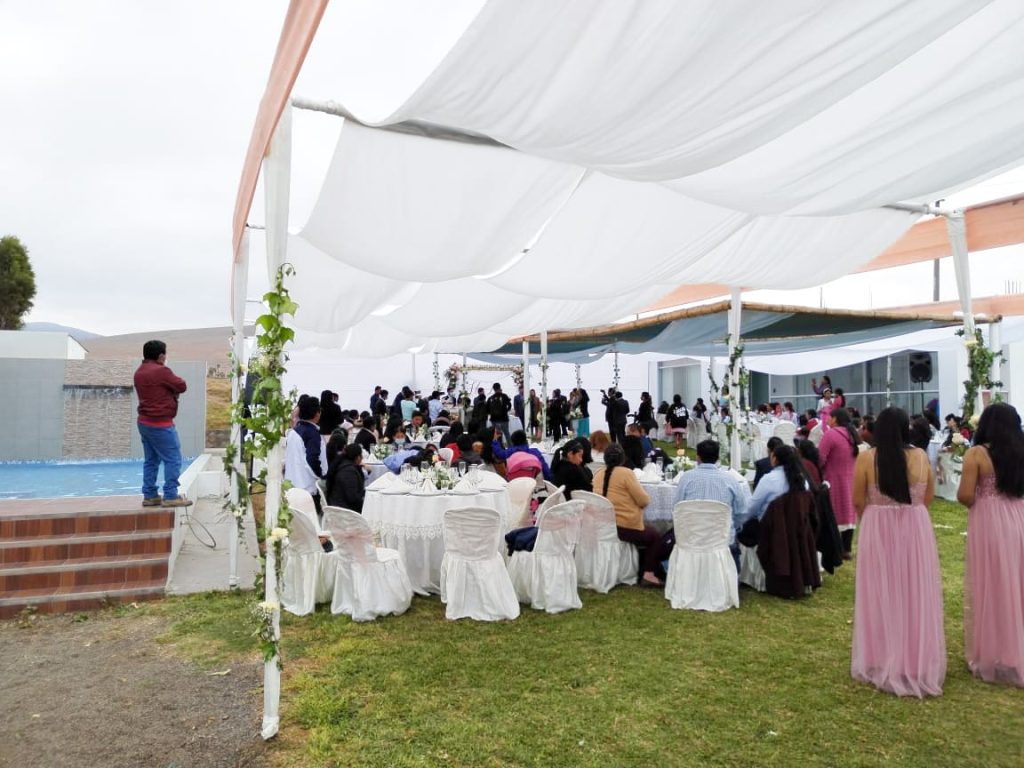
[{"x": 297, "y": 32}]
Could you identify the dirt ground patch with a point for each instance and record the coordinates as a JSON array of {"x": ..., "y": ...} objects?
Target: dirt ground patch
[{"x": 103, "y": 692}]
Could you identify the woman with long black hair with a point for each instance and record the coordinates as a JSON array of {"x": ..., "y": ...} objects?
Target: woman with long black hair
[
  {"x": 568, "y": 470},
  {"x": 898, "y": 640},
  {"x": 992, "y": 485}
]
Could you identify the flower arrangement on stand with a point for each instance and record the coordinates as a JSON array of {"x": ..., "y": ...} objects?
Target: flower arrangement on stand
[
  {"x": 381, "y": 450},
  {"x": 442, "y": 476},
  {"x": 682, "y": 462}
]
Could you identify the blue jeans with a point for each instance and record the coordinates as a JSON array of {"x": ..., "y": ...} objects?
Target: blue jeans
[{"x": 160, "y": 444}]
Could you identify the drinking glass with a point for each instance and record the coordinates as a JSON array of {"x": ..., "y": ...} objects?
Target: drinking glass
[
  {"x": 424, "y": 467},
  {"x": 462, "y": 468}
]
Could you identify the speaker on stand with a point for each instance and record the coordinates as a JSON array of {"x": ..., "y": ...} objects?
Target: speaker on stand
[{"x": 921, "y": 371}]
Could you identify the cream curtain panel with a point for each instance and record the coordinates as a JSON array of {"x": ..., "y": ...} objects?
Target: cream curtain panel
[{"x": 659, "y": 143}]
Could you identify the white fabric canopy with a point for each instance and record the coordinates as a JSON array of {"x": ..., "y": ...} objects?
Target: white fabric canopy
[{"x": 660, "y": 143}]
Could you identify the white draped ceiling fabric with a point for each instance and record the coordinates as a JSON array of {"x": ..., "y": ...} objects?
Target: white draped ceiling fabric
[{"x": 649, "y": 144}]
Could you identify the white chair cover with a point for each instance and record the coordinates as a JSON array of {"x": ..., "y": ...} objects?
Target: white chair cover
[
  {"x": 370, "y": 581},
  {"x": 435, "y": 435},
  {"x": 785, "y": 431},
  {"x": 751, "y": 572},
  {"x": 555, "y": 496},
  {"x": 701, "y": 571},
  {"x": 446, "y": 454},
  {"x": 520, "y": 492},
  {"x": 816, "y": 434},
  {"x": 552, "y": 488},
  {"x": 546, "y": 577},
  {"x": 602, "y": 560},
  {"x": 492, "y": 481},
  {"x": 474, "y": 581},
  {"x": 308, "y": 571}
]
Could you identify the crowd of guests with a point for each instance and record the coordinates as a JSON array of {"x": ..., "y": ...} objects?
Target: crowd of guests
[{"x": 873, "y": 472}]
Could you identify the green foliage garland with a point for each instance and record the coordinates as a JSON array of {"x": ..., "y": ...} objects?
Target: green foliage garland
[
  {"x": 265, "y": 423},
  {"x": 979, "y": 365}
]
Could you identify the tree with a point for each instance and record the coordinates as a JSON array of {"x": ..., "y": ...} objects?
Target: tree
[{"x": 17, "y": 283}]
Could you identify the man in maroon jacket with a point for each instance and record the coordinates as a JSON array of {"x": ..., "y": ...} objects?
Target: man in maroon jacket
[{"x": 158, "y": 389}]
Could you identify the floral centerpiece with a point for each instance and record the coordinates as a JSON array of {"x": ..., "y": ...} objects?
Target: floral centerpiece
[
  {"x": 419, "y": 433},
  {"x": 381, "y": 450},
  {"x": 442, "y": 476},
  {"x": 682, "y": 462}
]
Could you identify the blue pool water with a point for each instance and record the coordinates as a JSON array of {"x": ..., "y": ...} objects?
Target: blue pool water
[{"x": 58, "y": 479}]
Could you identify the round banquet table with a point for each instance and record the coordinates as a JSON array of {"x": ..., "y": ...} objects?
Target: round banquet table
[
  {"x": 413, "y": 525},
  {"x": 374, "y": 469}
]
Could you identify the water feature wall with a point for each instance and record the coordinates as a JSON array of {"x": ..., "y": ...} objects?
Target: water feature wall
[{"x": 86, "y": 409}]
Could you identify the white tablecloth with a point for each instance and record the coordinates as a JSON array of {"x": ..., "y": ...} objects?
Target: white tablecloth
[
  {"x": 414, "y": 526},
  {"x": 663, "y": 500},
  {"x": 947, "y": 476},
  {"x": 374, "y": 470}
]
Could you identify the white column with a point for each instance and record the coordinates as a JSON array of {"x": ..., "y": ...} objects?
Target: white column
[
  {"x": 543, "y": 384},
  {"x": 735, "y": 313},
  {"x": 956, "y": 230},
  {"x": 888, "y": 380},
  {"x": 526, "y": 390},
  {"x": 276, "y": 184},
  {"x": 239, "y": 286}
]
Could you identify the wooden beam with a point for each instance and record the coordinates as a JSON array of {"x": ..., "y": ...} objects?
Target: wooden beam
[{"x": 993, "y": 307}]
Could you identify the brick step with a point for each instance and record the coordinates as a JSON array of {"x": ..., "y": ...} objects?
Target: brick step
[
  {"x": 32, "y": 524},
  {"x": 112, "y": 571},
  {"x": 79, "y": 598},
  {"x": 39, "y": 549}
]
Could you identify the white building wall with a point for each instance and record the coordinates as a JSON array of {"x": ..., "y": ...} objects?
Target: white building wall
[{"x": 39, "y": 345}]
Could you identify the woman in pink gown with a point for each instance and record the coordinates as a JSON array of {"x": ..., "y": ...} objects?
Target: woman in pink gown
[
  {"x": 837, "y": 454},
  {"x": 992, "y": 485},
  {"x": 898, "y": 640}
]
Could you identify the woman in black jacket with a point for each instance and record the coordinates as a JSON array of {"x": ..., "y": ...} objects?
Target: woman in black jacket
[
  {"x": 346, "y": 482},
  {"x": 568, "y": 470}
]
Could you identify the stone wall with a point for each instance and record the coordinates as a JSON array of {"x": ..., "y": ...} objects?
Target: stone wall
[{"x": 98, "y": 417}]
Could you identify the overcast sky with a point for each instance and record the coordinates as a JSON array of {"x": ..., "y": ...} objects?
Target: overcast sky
[{"x": 125, "y": 124}]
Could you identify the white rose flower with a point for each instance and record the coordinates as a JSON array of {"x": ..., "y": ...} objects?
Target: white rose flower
[
  {"x": 269, "y": 606},
  {"x": 958, "y": 439},
  {"x": 970, "y": 343},
  {"x": 974, "y": 421}
]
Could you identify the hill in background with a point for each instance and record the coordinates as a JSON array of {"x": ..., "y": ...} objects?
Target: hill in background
[
  {"x": 209, "y": 344},
  {"x": 75, "y": 333}
]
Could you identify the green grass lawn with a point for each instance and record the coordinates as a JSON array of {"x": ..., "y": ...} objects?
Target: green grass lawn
[{"x": 626, "y": 681}]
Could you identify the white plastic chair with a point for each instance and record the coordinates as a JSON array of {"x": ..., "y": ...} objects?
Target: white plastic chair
[
  {"x": 785, "y": 431},
  {"x": 546, "y": 577},
  {"x": 551, "y": 488},
  {"x": 370, "y": 581},
  {"x": 446, "y": 455},
  {"x": 751, "y": 572},
  {"x": 701, "y": 571},
  {"x": 321, "y": 485},
  {"x": 602, "y": 559},
  {"x": 474, "y": 581},
  {"x": 308, "y": 571},
  {"x": 520, "y": 492}
]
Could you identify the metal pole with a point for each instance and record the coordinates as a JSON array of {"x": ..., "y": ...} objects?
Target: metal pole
[
  {"x": 888, "y": 380},
  {"x": 543, "y": 384},
  {"x": 276, "y": 184},
  {"x": 735, "y": 312},
  {"x": 956, "y": 229},
  {"x": 527, "y": 405},
  {"x": 995, "y": 343}
]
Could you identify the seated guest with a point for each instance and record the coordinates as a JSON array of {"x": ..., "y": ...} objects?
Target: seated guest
[
  {"x": 811, "y": 460},
  {"x": 568, "y": 470},
  {"x": 812, "y": 419},
  {"x": 402, "y": 454},
  {"x": 337, "y": 441},
  {"x": 619, "y": 485},
  {"x": 788, "y": 414},
  {"x": 416, "y": 422},
  {"x": 425, "y": 454},
  {"x": 787, "y": 472},
  {"x": 763, "y": 466},
  {"x": 443, "y": 419},
  {"x": 346, "y": 481},
  {"x": 707, "y": 481},
  {"x": 920, "y": 433},
  {"x": 640, "y": 432},
  {"x": 867, "y": 430},
  {"x": 520, "y": 444},
  {"x": 452, "y": 435},
  {"x": 599, "y": 441},
  {"x": 395, "y": 434},
  {"x": 466, "y": 453},
  {"x": 634, "y": 452},
  {"x": 367, "y": 435}
]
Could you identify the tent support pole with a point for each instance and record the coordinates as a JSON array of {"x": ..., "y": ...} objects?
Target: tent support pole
[
  {"x": 240, "y": 281},
  {"x": 527, "y": 405},
  {"x": 995, "y": 343},
  {"x": 735, "y": 314},
  {"x": 543, "y": 384},
  {"x": 888, "y": 380},
  {"x": 956, "y": 230},
  {"x": 276, "y": 183},
  {"x": 615, "y": 368}
]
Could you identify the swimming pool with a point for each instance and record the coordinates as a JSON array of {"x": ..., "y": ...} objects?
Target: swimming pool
[{"x": 64, "y": 479}]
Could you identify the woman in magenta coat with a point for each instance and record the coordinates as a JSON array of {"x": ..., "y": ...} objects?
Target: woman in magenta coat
[{"x": 838, "y": 454}]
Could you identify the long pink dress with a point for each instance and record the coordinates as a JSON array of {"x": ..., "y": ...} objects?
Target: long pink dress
[
  {"x": 837, "y": 462},
  {"x": 994, "y": 586},
  {"x": 898, "y": 640}
]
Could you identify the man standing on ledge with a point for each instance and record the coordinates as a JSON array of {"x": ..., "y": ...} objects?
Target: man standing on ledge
[{"x": 158, "y": 389}]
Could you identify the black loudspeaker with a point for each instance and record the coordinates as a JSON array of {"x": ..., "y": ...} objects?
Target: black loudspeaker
[{"x": 920, "y": 367}]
